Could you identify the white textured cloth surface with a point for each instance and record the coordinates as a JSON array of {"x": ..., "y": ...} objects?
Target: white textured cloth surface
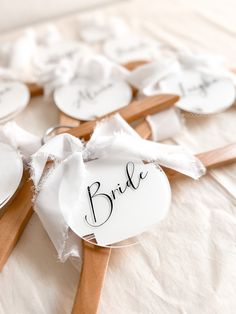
[{"x": 188, "y": 265}]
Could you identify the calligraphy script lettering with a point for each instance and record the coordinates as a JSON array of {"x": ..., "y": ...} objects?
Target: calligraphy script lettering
[
  {"x": 201, "y": 88},
  {"x": 90, "y": 95},
  {"x": 94, "y": 193}
]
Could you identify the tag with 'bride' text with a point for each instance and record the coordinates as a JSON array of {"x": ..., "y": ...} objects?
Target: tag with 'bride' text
[{"x": 119, "y": 199}]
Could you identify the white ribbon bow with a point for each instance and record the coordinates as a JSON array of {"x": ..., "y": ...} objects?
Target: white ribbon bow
[
  {"x": 111, "y": 137},
  {"x": 25, "y": 142},
  {"x": 17, "y": 56},
  {"x": 147, "y": 77},
  {"x": 90, "y": 68}
]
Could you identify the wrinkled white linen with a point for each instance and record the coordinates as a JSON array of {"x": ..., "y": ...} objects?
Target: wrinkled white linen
[
  {"x": 147, "y": 77},
  {"x": 111, "y": 137}
]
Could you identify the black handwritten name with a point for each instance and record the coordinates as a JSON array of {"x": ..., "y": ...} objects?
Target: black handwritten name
[
  {"x": 54, "y": 58},
  {"x": 201, "y": 88},
  {"x": 90, "y": 94},
  {"x": 94, "y": 193}
]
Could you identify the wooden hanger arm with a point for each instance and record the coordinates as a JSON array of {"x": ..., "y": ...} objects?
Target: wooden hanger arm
[
  {"x": 134, "y": 111},
  {"x": 211, "y": 159}
]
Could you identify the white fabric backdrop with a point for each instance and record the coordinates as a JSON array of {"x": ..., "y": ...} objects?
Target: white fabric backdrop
[
  {"x": 188, "y": 265},
  {"x": 23, "y": 12}
]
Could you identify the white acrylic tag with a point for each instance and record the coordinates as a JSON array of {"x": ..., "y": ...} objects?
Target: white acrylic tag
[
  {"x": 119, "y": 200},
  {"x": 200, "y": 93},
  {"x": 14, "y": 97},
  {"x": 126, "y": 49},
  {"x": 11, "y": 170},
  {"x": 87, "y": 102}
]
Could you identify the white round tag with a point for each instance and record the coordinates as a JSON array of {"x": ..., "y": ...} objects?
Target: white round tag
[
  {"x": 14, "y": 97},
  {"x": 200, "y": 93},
  {"x": 87, "y": 102},
  {"x": 11, "y": 170},
  {"x": 120, "y": 200},
  {"x": 127, "y": 49},
  {"x": 63, "y": 49}
]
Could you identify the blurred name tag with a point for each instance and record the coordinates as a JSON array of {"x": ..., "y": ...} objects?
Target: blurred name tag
[
  {"x": 11, "y": 171},
  {"x": 59, "y": 51},
  {"x": 200, "y": 93},
  {"x": 127, "y": 49},
  {"x": 14, "y": 97},
  {"x": 85, "y": 101}
]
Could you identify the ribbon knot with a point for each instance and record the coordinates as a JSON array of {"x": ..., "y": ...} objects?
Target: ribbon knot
[{"x": 112, "y": 137}]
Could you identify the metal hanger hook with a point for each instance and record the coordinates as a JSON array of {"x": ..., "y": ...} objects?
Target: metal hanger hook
[{"x": 50, "y": 132}]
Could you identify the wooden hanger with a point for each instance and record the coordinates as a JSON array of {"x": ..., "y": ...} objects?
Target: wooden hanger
[
  {"x": 96, "y": 258},
  {"x": 16, "y": 217}
]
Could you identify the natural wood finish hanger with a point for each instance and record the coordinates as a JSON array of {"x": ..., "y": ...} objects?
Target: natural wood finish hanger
[
  {"x": 13, "y": 221},
  {"x": 94, "y": 268},
  {"x": 135, "y": 111},
  {"x": 19, "y": 212},
  {"x": 96, "y": 258}
]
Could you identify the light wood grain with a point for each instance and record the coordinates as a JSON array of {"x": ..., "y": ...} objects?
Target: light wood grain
[
  {"x": 66, "y": 120},
  {"x": 144, "y": 130},
  {"x": 35, "y": 89},
  {"x": 95, "y": 263},
  {"x": 219, "y": 157},
  {"x": 132, "y": 65},
  {"x": 19, "y": 211},
  {"x": 15, "y": 219},
  {"x": 134, "y": 111}
]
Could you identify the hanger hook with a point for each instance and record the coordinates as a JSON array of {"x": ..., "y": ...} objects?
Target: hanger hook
[{"x": 50, "y": 132}]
